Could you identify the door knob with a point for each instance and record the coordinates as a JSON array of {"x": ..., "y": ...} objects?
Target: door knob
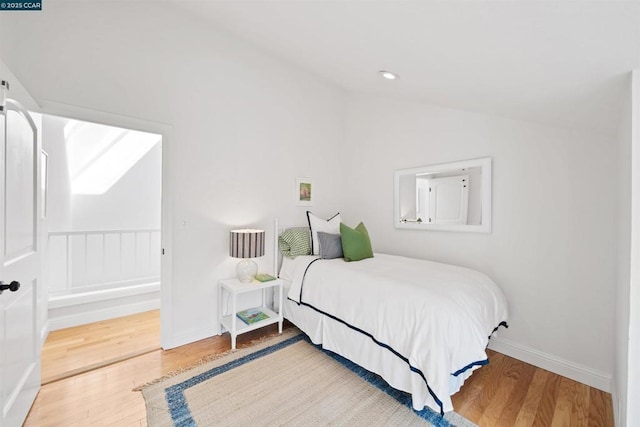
[{"x": 13, "y": 286}]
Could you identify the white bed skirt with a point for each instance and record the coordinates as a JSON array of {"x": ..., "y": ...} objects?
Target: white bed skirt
[{"x": 362, "y": 350}]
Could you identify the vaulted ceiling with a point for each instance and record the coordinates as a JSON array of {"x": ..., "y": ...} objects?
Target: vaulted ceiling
[{"x": 555, "y": 62}]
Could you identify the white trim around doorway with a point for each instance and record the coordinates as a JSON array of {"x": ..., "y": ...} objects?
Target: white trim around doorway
[{"x": 85, "y": 114}]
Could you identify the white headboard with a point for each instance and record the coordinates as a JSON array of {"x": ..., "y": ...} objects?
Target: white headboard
[{"x": 277, "y": 257}]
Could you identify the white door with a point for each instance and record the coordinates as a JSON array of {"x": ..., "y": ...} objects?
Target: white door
[
  {"x": 449, "y": 200},
  {"x": 422, "y": 202},
  {"x": 19, "y": 263}
]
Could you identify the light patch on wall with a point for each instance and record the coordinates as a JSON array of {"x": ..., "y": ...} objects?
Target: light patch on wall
[
  {"x": 99, "y": 155},
  {"x": 106, "y": 169}
]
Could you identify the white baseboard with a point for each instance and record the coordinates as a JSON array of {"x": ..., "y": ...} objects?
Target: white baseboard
[
  {"x": 557, "y": 365},
  {"x": 69, "y": 321},
  {"x": 189, "y": 337},
  {"x": 102, "y": 295}
]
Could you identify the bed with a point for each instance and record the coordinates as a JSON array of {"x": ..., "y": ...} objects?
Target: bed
[{"x": 422, "y": 326}]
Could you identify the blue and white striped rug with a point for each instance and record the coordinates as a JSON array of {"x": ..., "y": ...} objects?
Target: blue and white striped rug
[{"x": 285, "y": 380}]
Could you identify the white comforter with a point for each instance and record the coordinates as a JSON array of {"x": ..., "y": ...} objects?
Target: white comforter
[{"x": 436, "y": 316}]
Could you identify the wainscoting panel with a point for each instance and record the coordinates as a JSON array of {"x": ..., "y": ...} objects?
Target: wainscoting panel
[{"x": 74, "y": 310}]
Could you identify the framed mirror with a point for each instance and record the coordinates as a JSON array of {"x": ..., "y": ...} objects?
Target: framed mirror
[{"x": 448, "y": 197}]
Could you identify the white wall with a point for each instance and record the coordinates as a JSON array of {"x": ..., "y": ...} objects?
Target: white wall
[
  {"x": 552, "y": 249},
  {"x": 132, "y": 203},
  {"x": 243, "y": 126}
]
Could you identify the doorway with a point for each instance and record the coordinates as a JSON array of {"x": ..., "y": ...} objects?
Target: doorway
[{"x": 101, "y": 223}]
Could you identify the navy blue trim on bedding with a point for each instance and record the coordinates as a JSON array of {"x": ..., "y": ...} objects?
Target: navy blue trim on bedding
[
  {"x": 503, "y": 323},
  {"x": 383, "y": 345},
  {"x": 471, "y": 365},
  {"x": 386, "y": 346},
  {"x": 304, "y": 276},
  {"x": 480, "y": 362}
]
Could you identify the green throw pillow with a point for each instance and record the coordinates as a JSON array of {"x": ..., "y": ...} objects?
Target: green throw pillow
[{"x": 356, "y": 244}]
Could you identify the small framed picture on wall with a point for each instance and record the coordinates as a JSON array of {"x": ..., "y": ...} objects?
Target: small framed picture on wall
[{"x": 304, "y": 191}]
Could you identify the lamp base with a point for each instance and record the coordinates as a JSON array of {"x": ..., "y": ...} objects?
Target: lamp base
[{"x": 246, "y": 270}]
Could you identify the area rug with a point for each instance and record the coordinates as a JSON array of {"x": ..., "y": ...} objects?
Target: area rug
[{"x": 285, "y": 380}]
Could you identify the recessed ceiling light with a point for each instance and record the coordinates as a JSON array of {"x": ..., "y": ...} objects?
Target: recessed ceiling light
[{"x": 389, "y": 75}]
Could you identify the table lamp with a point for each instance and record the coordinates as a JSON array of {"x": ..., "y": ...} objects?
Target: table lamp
[{"x": 246, "y": 244}]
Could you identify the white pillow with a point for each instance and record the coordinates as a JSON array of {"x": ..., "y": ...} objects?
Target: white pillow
[{"x": 331, "y": 226}]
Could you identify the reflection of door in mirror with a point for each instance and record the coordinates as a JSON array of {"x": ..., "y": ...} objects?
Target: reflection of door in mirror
[
  {"x": 407, "y": 197},
  {"x": 422, "y": 198},
  {"x": 449, "y": 200},
  {"x": 448, "y": 196}
]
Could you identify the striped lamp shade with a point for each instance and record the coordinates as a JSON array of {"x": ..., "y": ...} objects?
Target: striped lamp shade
[{"x": 246, "y": 243}]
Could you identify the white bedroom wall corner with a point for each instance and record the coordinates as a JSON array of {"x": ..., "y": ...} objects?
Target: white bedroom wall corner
[
  {"x": 632, "y": 410},
  {"x": 17, "y": 90},
  {"x": 624, "y": 146}
]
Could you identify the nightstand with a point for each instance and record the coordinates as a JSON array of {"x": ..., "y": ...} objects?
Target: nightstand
[{"x": 232, "y": 322}]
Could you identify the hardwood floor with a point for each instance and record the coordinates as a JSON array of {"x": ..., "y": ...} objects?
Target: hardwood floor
[
  {"x": 507, "y": 392},
  {"x": 71, "y": 351}
]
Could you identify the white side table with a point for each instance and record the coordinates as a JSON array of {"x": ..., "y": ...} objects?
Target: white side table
[{"x": 232, "y": 322}]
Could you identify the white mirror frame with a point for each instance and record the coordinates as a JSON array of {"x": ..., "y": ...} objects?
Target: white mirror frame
[{"x": 485, "y": 165}]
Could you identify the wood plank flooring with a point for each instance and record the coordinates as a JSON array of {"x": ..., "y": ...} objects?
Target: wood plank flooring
[
  {"x": 72, "y": 351},
  {"x": 507, "y": 392}
]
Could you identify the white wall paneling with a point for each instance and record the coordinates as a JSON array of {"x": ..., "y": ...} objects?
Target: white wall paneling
[{"x": 73, "y": 310}]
